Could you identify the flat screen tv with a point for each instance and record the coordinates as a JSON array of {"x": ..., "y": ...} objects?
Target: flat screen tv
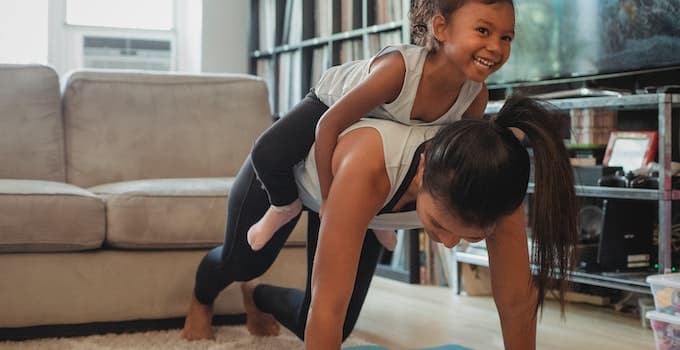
[{"x": 571, "y": 40}]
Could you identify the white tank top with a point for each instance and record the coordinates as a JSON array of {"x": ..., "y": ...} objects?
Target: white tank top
[
  {"x": 400, "y": 143},
  {"x": 339, "y": 80}
]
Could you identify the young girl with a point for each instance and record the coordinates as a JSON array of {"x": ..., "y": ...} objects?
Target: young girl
[
  {"x": 468, "y": 182},
  {"x": 463, "y": 42}
]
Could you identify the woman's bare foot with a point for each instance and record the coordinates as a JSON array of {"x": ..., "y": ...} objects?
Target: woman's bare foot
[
  {"x": 198, "y": 323},
  {"x": 258, "y": 322}
]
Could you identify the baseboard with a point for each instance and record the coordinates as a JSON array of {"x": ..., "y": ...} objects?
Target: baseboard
[{"x": 85, "y": 329}]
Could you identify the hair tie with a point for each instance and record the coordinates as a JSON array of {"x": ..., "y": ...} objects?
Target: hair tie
[{"x": 420, "y": 28}]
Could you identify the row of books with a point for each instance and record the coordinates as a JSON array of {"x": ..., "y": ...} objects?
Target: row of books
[
  {"x": 388, "y": 11},
  {"x": 289, "y": 28},
  {"x": 281, "y": 31},
  {"x": 380, "y": 12}
]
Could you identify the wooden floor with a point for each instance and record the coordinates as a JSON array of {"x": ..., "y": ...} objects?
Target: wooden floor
[{"x": 401, "y": 316}]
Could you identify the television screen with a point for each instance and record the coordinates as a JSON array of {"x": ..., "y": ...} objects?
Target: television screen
[{"x": 558, "y": 39}]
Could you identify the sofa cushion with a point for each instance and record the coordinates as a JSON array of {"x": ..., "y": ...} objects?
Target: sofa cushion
[
  {"x": 168, "y": 213},
  {"x": 109, "y": 285},
  {"x": 31, "y": 133},
  {"x": 124, "y": 126},
  {"x": 44, "y": 216}
]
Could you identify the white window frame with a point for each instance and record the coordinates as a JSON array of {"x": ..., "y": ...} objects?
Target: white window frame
[{"x": 65, "y": 50}]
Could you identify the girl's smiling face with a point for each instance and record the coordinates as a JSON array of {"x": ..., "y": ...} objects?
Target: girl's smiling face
[{"x": 476, "y": 37}]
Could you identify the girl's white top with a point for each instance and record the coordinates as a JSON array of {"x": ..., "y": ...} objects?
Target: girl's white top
[
  {"x": 400, "y": 143},
  {"x": 339, "y": 80}
]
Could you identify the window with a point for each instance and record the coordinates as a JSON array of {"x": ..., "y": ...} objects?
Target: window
[
  {"x": 132, "y": 14},
  {"x": 23, "y": 31}
]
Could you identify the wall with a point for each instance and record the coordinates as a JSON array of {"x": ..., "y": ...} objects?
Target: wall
[{"x": 225, "y": 36}]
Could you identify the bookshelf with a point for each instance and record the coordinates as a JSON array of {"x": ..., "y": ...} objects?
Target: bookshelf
[{"x": 292, "y": 42}]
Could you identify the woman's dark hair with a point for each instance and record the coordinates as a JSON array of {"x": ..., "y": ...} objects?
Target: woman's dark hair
[
  {"x": 480, "y": 171},
  {"x": 423, "y": 11}
]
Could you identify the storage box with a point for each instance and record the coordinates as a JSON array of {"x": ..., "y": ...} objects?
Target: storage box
[
  {"x": 666, "y": 292},
  {"x": 666, "y": 330}
]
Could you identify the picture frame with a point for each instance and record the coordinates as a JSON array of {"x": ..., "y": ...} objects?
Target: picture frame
[{"x": 631, "y": 149}]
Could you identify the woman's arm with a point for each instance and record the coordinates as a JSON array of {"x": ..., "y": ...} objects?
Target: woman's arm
[
  {"x": 358, "y": 191},
  {"x": 511, "y": 281},
  {"x": 382, "y": 85}
]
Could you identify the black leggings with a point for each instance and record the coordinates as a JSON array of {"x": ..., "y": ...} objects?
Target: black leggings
[
  {"x": 286, "y": 143},
  {"x": 235, "y": 261}
]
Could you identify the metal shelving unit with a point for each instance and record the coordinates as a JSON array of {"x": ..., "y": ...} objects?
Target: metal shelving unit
[
  {"x": 637, "y": 285},
  {"x": 664, "y": 195}
]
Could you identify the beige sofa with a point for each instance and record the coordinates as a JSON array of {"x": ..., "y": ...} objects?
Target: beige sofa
[{"x": 113, "y": 186}]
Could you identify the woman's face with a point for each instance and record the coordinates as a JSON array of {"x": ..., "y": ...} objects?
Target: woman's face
[{"x": 444, "y": 227}]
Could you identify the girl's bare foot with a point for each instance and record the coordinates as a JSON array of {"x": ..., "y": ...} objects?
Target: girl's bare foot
[
  {"x": 258, "y": 322},
  {"x": 198, "y": 323}
]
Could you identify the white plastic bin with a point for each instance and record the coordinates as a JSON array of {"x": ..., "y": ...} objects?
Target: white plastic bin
[
  {"x": 666, "y": 292},
  {"x": 666, "y": 330}
]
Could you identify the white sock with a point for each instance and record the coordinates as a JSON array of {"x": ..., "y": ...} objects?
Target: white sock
[{"x": 275, "y": 217}]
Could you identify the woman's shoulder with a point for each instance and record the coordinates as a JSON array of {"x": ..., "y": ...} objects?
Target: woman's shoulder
[{"x": 393, "y": 135}]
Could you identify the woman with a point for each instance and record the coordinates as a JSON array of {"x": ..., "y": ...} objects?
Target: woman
[{"x": 468, "y": 182}]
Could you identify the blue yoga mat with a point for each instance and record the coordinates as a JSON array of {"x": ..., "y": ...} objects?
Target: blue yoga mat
[{"x": 376, "y": 347}]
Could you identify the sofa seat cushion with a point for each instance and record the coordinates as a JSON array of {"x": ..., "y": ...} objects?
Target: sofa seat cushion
[
  {"x": 166, "y": 213},
  {"x": 46, "y": 216}
]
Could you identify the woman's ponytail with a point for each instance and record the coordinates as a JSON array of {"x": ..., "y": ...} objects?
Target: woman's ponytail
[{"x": 554, "y": 228}]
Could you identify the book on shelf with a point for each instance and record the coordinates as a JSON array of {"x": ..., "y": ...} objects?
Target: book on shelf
[
  {"x": 265, "y": 70},
  {"x": 292, "y": 22},
  {"x": 387, "y": 11},
  {"x": 289, "y": 85},
  {"x": 283, "y": 87},
  {"x": 295, "y": 81},
  {"x": 320, "y": 63},
  {"x": 266, "y": 24},
  {"x": 350, "y": 15},
  {"x": 322, "y": 25}
]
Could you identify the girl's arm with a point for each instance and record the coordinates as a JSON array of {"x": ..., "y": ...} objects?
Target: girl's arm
[
  {"x": 478, "y": 106},
  {"x": 382, "y": 85},
  {"x": 511, "y": 281},
  {"x": 359, "y": 190}
]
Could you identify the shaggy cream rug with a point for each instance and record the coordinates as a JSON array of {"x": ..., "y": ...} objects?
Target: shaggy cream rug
[{"x": 227, "y": 338}]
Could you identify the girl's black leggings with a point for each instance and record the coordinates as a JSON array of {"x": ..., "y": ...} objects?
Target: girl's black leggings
[
  {"x": 235, "y": 261},
  {"x": 286, "y": 143}
]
